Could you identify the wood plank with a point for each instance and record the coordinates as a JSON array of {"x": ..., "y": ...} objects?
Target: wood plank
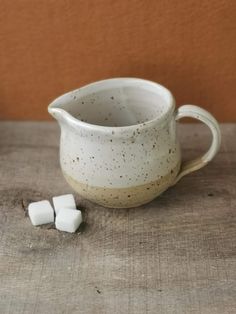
[{"x": 174, "y": 255}]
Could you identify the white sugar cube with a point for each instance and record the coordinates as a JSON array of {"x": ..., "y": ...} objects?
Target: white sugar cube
[
  {"x": 63, "y": 201},
  {"x": 41, "y": 213},
  {"x": 68, "y": 220}
]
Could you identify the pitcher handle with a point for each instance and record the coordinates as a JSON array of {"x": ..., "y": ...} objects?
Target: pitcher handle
[{"x": 204, "y": 116}]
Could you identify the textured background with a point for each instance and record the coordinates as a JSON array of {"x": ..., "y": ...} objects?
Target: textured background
[{"x": 48, "y": 47}]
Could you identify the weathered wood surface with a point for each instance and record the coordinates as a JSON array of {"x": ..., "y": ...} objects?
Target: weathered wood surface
[{"x": 174, "y": 255}]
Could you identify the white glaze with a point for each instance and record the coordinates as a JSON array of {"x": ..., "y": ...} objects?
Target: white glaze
[{"x": 127, "y": 140}]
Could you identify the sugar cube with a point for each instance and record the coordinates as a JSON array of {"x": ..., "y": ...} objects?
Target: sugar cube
[
  {"x": 63, "y": 201},
  {"x": 68, "y": 220},
  {"x": 41, "y": 213}
]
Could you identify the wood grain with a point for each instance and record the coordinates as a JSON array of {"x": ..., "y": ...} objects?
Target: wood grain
[
  {"x": 49, "y": 47},
  {"x": 174, "y": 255}
]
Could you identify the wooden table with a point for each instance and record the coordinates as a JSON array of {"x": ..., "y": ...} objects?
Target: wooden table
[{"x": 174, "y": 255}]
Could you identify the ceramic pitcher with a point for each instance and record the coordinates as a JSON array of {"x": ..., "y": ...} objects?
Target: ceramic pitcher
[{"x": 119, "y": 146}]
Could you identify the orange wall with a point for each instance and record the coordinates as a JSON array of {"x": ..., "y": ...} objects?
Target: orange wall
[{"x": 48, "y": 47}]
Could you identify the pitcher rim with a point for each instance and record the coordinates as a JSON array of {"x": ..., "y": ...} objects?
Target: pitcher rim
[{"x": 158, "y": 120}]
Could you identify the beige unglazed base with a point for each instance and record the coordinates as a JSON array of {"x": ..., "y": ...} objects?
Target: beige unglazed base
[{"x": 123, "y": 197}]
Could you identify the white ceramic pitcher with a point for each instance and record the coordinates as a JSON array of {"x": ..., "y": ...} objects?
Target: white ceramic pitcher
[{"x": 119, "y": 146}]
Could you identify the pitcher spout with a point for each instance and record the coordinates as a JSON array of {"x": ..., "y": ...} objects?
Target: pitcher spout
[
  {"x": 58, "y": 109},
  {"x": 57, "y": 113},
  {"x": 61, "y": 109}
]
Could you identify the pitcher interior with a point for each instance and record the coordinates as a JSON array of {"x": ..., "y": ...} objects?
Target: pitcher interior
[{"x": 118, "y": 106}]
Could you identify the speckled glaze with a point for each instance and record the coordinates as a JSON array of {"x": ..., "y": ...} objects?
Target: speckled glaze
[{"x": 119, "y": 146}]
